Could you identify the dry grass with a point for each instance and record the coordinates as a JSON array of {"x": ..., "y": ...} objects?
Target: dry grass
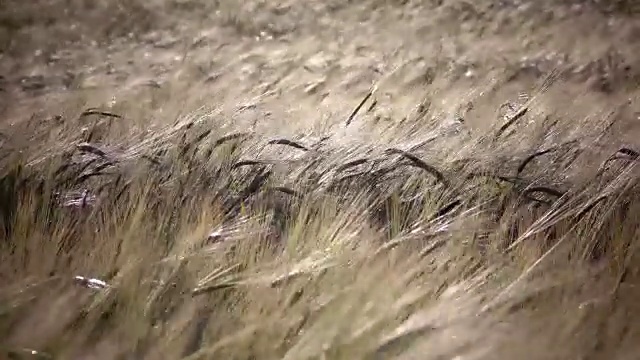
[{"x": 288, "y": 209}]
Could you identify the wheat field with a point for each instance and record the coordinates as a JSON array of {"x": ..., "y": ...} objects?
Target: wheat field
[{"x": 278, "y": 179}]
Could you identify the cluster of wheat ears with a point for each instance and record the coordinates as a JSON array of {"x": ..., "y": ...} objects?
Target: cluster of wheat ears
[{"x": 205, "y": 239}]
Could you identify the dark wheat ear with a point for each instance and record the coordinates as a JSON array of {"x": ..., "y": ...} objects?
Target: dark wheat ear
[
  {"x": 88, "y": 148},
  {"x": 511, "y": 120},
  {"x": 530, "y": 158},
  {"x": 230, "y": 137},
  {"x": 288, "y": 142},
  {"x": 243, "y": 163},
  {"x": 90, "y": 112},
  {"x": 528, "y": 193},
  {"x": 415, "y": 161},
  {"x": 257, "y": 183},
  {"x": 629, "y": 152},
  {"x": 360, "y": 105},
  {"x": 202, "y": 136},
  {"x": 446, "y": 209},
  {"x": 351, "y": 164},
  {"x": 513, "y": 180},
  {"x": 536, "y": 154},
  {"x": 105, "y": 165},
  {"x": 622, "y": 153}
]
